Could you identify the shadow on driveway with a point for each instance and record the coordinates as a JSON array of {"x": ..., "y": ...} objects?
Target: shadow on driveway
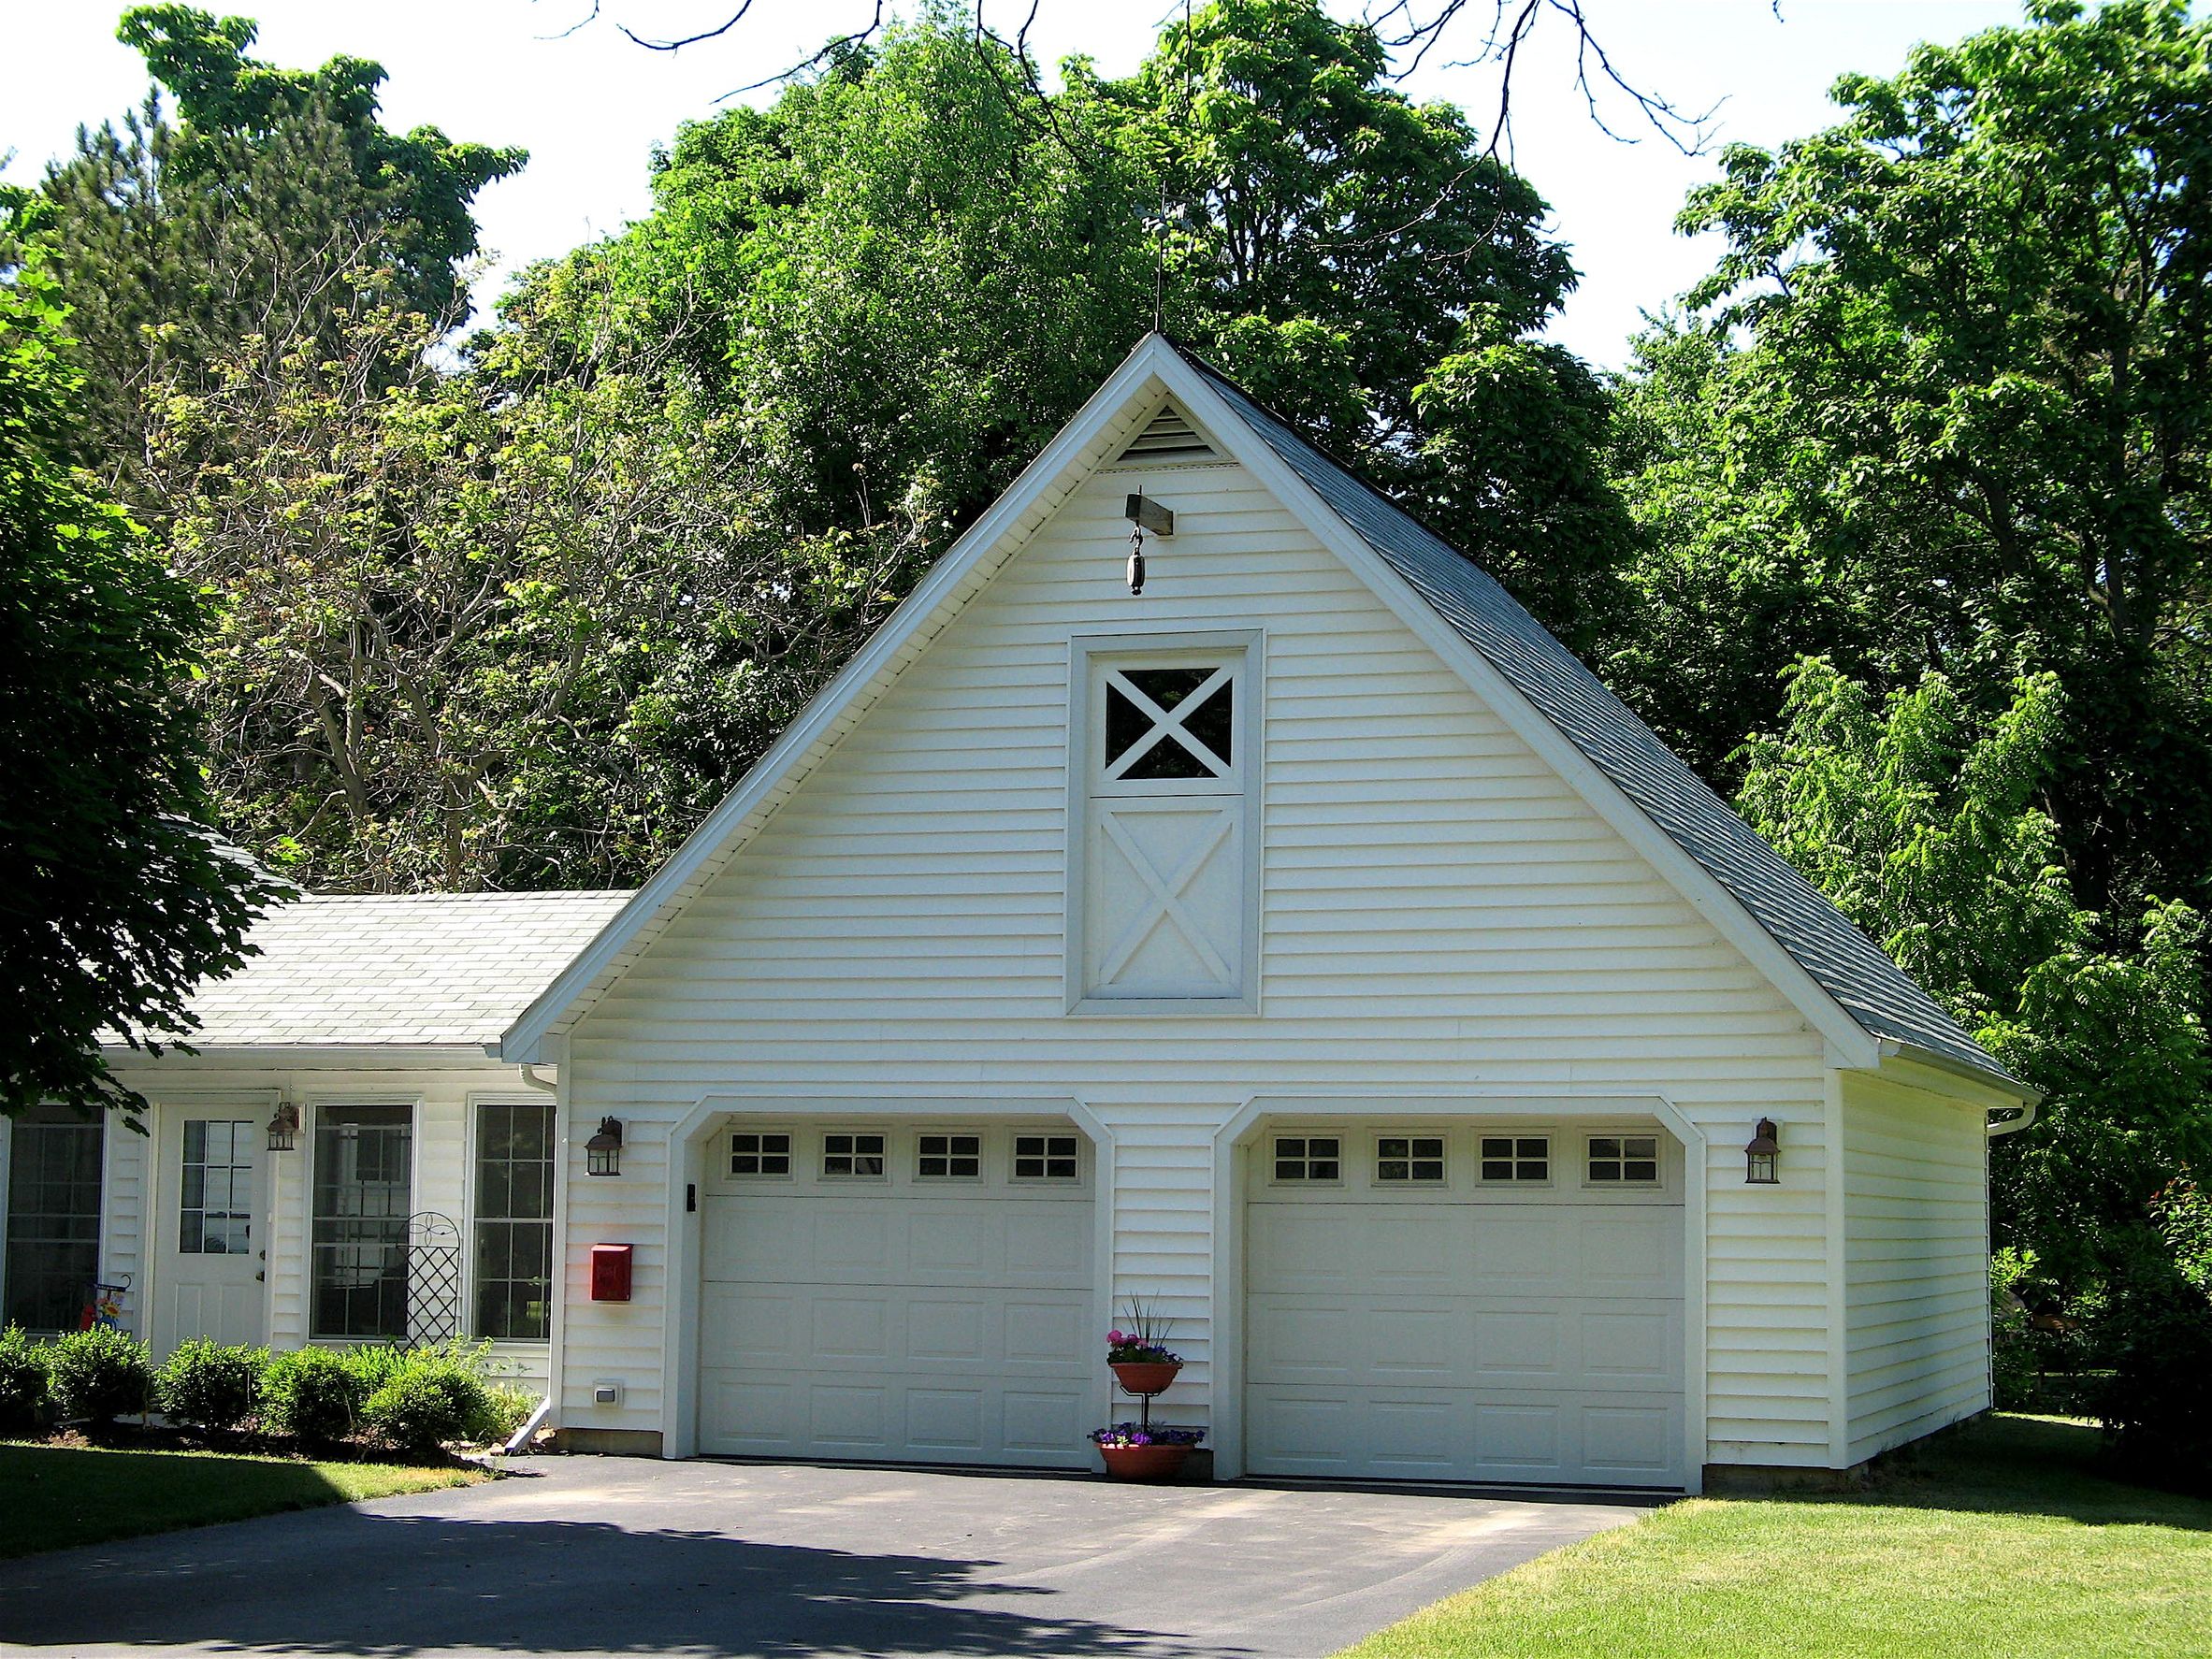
[{"x": 361, "y": 1582}]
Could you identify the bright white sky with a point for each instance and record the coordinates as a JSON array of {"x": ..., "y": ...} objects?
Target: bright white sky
[{"x": 590, "y": 106}]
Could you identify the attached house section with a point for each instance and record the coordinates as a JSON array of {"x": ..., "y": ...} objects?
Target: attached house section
[{"x": 340, "y": 1163}]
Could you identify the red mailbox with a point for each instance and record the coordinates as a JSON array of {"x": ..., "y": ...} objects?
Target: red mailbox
[{"x": 609, "y": 1273}]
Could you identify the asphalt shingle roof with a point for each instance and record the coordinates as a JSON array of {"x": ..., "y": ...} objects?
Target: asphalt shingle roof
[
  {"x": 1839, "y": 958},
  {"x": 413, "y": 970}
]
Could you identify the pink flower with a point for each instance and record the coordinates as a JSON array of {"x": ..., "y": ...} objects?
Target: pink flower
[{"x": 1115, "y": 1336}]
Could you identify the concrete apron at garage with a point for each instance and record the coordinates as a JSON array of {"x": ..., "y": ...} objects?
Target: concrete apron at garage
[{"x": 591, "y": 1556}]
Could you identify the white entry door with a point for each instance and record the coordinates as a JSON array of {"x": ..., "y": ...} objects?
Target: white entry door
[
  {"x": 1428, "y": 1304},
  {"x": 207, "y": 1243},
  {"x": 900, "y": 1293}
]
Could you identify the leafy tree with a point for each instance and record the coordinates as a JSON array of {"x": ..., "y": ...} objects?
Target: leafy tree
[
  {"x": 507, "y": 628},
  {"x": 1917, "y": 816},
  {"x": 1965, "y": 427},
  {"x": 113, "y": 903},
  {"x": 281, "y": 208}
]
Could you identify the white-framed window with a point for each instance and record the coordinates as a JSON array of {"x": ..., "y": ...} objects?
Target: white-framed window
[
  {"x": 1310, "y": 1159},
  {"x": 1624, "y": 1161},
  {"x": 512, "y": 1282},
  {"x": 948, "y": 1156},
  {"x": 852, "y": 1156},
  {"x": 760, "y": 1153},
  {"x": 360, "y": 1197},
  {"x": 51, "y": 1248},
  {"x": 215, "y": 1188},
  {"x": 1409, "y": 1160},
  {"x": 1163, "y": 810},
  {"x": 1514, "y": 1158},
  {"x": 1047, "y": 1158}
]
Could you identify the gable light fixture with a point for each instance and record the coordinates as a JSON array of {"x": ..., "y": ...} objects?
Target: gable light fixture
[
  {"x": 283, "y": 1128},
  {"x": 602, "y": 1153},
  {"x": 1144, "y": 513},
  {"x": 1762, "y": 1155}
]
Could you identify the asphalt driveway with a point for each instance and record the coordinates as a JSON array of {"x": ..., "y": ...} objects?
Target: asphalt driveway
[{"x": 618, "y": 1556}]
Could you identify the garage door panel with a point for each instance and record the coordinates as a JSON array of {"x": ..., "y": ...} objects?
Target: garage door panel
[
  {"x": 897, "y": 1321},
  {"x": 1543, "y": 1344}
]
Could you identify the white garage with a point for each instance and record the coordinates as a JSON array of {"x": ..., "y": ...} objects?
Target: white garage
[
  {"x": 916, "y": 1292},
  {"x": 1475, "y": 1303}
]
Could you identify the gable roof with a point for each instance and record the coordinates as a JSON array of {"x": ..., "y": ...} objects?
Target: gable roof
[
  {"x": 1843, "y": 984},
  {"x": 1880, "y": 996},
  {"x": 415, "y": 971}
]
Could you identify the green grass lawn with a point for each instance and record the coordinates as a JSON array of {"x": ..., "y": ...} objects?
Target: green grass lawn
[
  {"x": 54, "y": 1496},
  {"x": 1999, "y": 1542}
]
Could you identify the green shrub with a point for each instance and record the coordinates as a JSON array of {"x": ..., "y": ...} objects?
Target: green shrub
[
  {"x": 22, "y": 1379},
  {"x": 98, "y": 1374},
  {"x": 312, "y": 1394},
  {"x": 376, "y": 1365},
  {"x": 2157, "y": 1406},
  {"x": 210, "y": 1386},
  {"x": 429, "y": 1402},
  {"x": 507, "y": 1407}
]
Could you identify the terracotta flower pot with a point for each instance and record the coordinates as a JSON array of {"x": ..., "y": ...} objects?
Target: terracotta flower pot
[
  {"x": 1146, "y": 1377},
  {"x": 1144, "y": 1462}
]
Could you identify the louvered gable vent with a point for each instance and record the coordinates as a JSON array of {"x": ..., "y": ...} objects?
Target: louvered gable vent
[{"x": 1169, "y": 438}]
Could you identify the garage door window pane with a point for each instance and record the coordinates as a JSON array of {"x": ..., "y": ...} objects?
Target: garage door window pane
[
  {"x": 766, "y": 1153},
  {"x": 1624, "y": 1159},
  {"x": 1414, "y": 1157},
  {"x": 1309, "y": 1158},
  {"x": 949, "y": 1157},
  {"x": 853, "y": 1156},
  {"x": 1516, "y": 1158},
  {"x": 1044, "y": 1157}
]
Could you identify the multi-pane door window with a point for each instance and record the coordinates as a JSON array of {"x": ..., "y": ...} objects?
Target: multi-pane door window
[
  {"x": 514, "y": 1279},
  {"x": 948, "y": 1157},
  {"x": 1309, "y": 1158},
  {"x": 53, "y": 1220},
  {"x": 853, "y": 1156},
  {"x": 1045, "y": 1158},
  {"x": 1624, "y": 1159},
  {"x": 215, "y": 1188},
  {"x": 1175, "y": 724},
  {"x": 362, "y": 1198},
  {"x": 1516, "y": 1158},
  {"x": 760, "y": 1152},
  {"x": 1417, "y": 1158}
]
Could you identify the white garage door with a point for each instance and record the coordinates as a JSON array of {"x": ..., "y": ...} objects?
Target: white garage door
[
  {"x": 907, "y": 1293},
  {"x": 1465, "y": 1304}
]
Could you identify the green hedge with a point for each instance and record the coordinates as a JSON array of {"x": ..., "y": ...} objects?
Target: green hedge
[{"x": 414, "y": 1400}]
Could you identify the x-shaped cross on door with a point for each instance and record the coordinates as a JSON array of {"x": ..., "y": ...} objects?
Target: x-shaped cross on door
[{"x": 1167, "y": 889}]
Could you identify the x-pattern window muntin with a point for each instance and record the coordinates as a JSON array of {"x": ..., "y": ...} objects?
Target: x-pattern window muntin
[
  {"x": 1170, "y": 724},
  {"x": 948, "y": 1157},
  {"x": 1624, "y": 1159},
  {"x": 1309, "y": 1158},
  {"x": 1416, "y": 1158},
  {"x": 760, "y": 1152},
  {"x": 1045, "y": 1158},
  {"x": 852, "y": 1156},
  {"x": 1516, "y": 1158}
]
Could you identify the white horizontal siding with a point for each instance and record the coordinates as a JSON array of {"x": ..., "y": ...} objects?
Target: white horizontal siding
[
  {"x": 1440, "y": 914},
  {"x": 1916, "y": 1250}
]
